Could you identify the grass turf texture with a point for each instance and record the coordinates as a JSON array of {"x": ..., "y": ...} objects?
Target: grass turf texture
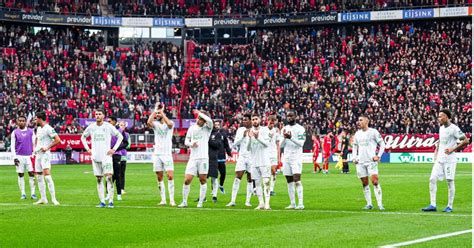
[{"x": 332, "y": 218}]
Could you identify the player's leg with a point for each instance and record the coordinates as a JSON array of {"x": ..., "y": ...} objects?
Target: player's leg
[
  {"x": 290, "y": 183},
  {"x": 117, "y": 177},
  {"x": 169, "y": 167},
  {"x": 108, "y": 170},
  {"x": 235, "y": 186},
  {"x": 191, "y": 171},
  {"x": 20, "y": 170},
  {"x": 250, "y": 187},
  {"x": 31, "y": 175},
  {"x": 40, "y": 178},
  {"x": 213, "y": 173},
  {"x": 437, "y": 173},
  {"x": 363, "y": 174},
  {"x": 222, "y": 175},
  {"x": 273, "y": 179},
  {"x": 266, "y": 179},
  {"x": 257, "y": 177},
  {"x": 46, "y": 164},
  {"x": 296, "y": 169},
  {"x": 122, "y": 173},
  {"x": 203, "y": 170},
  {"x": 158, "y": 168},
  {"x": 374, "y": 177},
  {"x": 99, "y": 174},
  {"x": 449, "y": 173}
]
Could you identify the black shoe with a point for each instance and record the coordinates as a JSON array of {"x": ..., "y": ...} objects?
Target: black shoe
[
  {"x": 272, "y": 193},
  {"x": 197, "y": 200},
  {"x": 214, "y": 199}
]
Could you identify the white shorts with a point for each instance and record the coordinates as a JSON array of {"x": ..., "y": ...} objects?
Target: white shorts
[
  {"x": 274, "y": 160},
  {"x": 42, "y": 162},
  {"x": 243, "y": 164},
  {"x": 292, "y": 166},
  {"x": 24, "y": 165},
  {"x": 367, "y": 169},
  {"x": 261, "y": 172},
  {"x": 163, "y": 163},
  {"x": 444, "y": 170},
  {"x": 197, "y": 167},
  {"x": 104, "y": 167}
]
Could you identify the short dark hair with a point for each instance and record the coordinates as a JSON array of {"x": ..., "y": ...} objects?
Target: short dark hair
[
  {"x": 21, "y": 116},
  {"x": 255, "y": 114},
  {"x": 113, "y": 118},
  {"x": 291, "y": 111},
  {"x": 272, "y": 117},
  {"x": 41, "y": 115},
  {"x": 447, "y": 112},
  {"x": 247, "y": 115},
  {"x": 100, "y": 110},
  {"x": 364, "y": 116}
]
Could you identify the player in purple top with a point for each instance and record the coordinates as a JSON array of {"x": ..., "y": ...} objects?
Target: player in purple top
[{"x": 22, "y": 141}]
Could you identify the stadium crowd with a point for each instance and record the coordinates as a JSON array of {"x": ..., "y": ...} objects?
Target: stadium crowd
[
  {"x": 400, "y": 74},
  {"x": 215, "y": 7}
]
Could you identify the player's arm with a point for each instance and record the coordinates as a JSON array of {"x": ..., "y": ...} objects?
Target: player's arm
[
  {"x": 299, "y": 139},
  {"x": 464, "y": 141},
  {"x": 226, "y": 145},
  {"x": 167, "y": 121},
  {"x": 187, "y": 140},
  {"x": 381, "y": 144},
  {"x": 239, "y": 137},
  {"x": 436, "y": 150},
  {"x": 355, "y": 150},
  {"x": 263, "y": 138},
  {"x": 151, "y": 119},
  {"x": 125, "y": 142},
  {"x": 283, "y": 139},
  {"x": 84, "y": 136},
  {"x": 13, "y": 149},
  {"x": 209, "y": 124},
  {"x": 115, "y": 132},
  {"x": 56, "y": 140},
  {"x": 33, "y": 141}
]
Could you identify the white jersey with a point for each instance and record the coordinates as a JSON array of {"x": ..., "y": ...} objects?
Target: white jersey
[
  {"x": 274, "y": 135},
  {"x": 199, "y": 135},
  {"x": 448, "y": 137},
  {"x": 365, "y": 145},
  {"x": 242, "y": 141},
  {"x": 45, "y": 136},
  {"x": 101, "y": 139},
  {"x": 259, "y": 148},
  {"x": 163, "y": 138},
  {"x": 293, "y": 147}
]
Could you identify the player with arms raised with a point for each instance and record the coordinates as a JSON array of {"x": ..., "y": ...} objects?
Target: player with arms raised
[
  {"x": 197, "y": 139},
  {"x": 445, "y": 159},
  {"x": 162, "y": 157},
  {"x": 294, "y": 137},
  {"x": 366, "y": 160},
  {"x": 101, "y": 134},
  {"x": 46, "y": 138}
]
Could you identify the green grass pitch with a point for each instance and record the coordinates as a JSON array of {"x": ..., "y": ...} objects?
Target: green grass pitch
[{"x": 332, "y": 218}]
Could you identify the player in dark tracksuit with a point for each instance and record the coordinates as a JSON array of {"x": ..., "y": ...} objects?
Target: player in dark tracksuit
[
  {"x": 215, "y": 143},
  {"x": 221, "y": 157},
  {"x": 117, "y": 158},
  {"x": 345, "y": 151}
]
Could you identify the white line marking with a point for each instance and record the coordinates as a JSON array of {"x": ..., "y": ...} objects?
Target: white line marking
[
  {"x": 416, "y": 241},
  {"x": 191, "y": 208}
]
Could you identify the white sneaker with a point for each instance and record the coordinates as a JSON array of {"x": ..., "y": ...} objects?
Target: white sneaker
[
  {"x": 172, "y": 203},
  {"x": 41, "y": 201},
  {"x": 199, "y": 205},
  {"x": 291, "y": 206},
  {"x": 381, "y": 208},
  {"x": 300, "y": 207},
  {"x": 268, "y": 208},
  {"x": 107, "y": 198},
  {"x": 183, "y": 205},
  {"x": 248, "y": 204},
  {"x": 260, "y": 207},
  {"x": 230, "y": 204},
  {"x": 162, "y": 203},
  {"x": 55, "y": 202},
  {"x": 119, "y": 197},
  {"x": 123, "y": 192}
]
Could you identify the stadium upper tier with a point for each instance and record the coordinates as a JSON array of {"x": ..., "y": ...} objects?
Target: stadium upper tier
[
  {"x": 196, "y": 8},
  {"x": 399, "y": 74}
]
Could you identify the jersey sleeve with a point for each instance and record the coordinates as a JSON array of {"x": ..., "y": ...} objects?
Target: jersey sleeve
[
  {"x": 51, "y": 132},
  {"x": 458, "y": 133}
]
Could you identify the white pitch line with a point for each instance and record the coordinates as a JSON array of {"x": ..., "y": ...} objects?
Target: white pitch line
[
  {"x": 416, "y": 241},
  {"x": 376, "y": 212}
]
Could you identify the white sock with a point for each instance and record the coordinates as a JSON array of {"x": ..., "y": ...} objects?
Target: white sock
[
  {"x": 249, "y": 191},
  {"x": 100, "y": 190},
  {"x": 161, "y": 188},
  {"x": 32, "y": 185},
  {"x": 368, "y": 195},
  {"x": 214, "y": 186},
  {"x": 451, "y": 191},
  {"x": 378, "y": 194},
  {"x": 202, "y": 192},
  {"x": 433, "y": 189},
  {"x": 235, "y": 189},
  {"x": 50, "y": 182},
  {"x": 266, "y": 191},
  {"x": 291, "y": 192},
  {"x": 259, "y": 193},
  {"x": 186, "y": 189},
  {"x": 272, "y": 183},
  {"x": 171, "y": 190},
  {"x": 42, "y": 187},
  {"x": 110, "y": 189},
  {"x": 21, "y": 184},
  {"x": 299, "y": 191}
]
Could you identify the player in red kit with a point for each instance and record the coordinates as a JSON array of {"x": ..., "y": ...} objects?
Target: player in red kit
[
  {"x": 327, "y": 145},
  {"x": 316, "y": 150}
]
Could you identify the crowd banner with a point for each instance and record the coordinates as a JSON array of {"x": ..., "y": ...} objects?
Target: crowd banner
[
  {"x": 137, "y": 22},
  {"x": 420, "y": 157},
  {"x": 36, "y": 18},
  {"x": 107, "y": 21},
  {"x": 354, "y": 17},
  {"x": 168, "y": 22},
  {"x": 198, "y": 22},
  {"x": 420, "y": 13},
  {"x": 10, "y": 15},
  {"x": 412, "y": 142},
  {"x": 454, "y": 11},
  {"x": 325, "y": 18},
  {"x": 386, "y": 15},
  {"x": 234, "y": 22}
]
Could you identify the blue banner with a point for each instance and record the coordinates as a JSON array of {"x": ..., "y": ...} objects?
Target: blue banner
[
  {"x": 106, "y": 21},
  {"x": 168, "y": 22},
  {"x": 355, "y": 17},
  {"x": 418, "y": 13}
]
